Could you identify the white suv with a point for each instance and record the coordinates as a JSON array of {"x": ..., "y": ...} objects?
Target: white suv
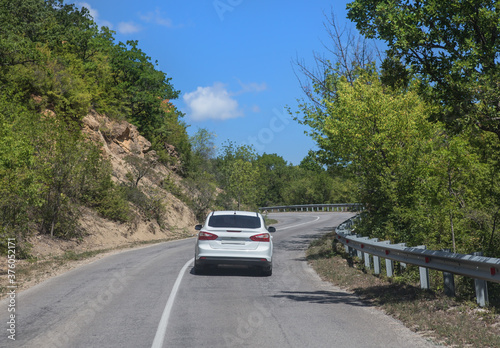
[{"x": 234, "y": 238}]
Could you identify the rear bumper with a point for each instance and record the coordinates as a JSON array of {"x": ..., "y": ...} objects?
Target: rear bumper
[{"x": 243, "y": 261}]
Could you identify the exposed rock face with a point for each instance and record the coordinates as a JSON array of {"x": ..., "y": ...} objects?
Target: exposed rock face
[{"x": 119, "y": 140}]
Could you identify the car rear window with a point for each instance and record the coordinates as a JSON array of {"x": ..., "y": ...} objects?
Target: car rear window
[{"x": 238, "y": 221}]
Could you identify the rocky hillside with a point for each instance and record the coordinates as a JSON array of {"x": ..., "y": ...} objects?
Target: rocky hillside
[{"x": 123, "y": 146}]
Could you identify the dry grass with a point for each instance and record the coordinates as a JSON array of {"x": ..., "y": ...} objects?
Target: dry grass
[{"x": 455, "y": 322}]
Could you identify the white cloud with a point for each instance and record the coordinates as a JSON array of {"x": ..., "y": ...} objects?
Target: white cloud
[
  {"x": 128, "y": 28},
  {"x": 252, "y": 87},
  {"x": 93, "y": 12},
  {"x": 95, "y": 15},
  {"x": 213, "y": 102},
  {"x": 157, "y": 18}
]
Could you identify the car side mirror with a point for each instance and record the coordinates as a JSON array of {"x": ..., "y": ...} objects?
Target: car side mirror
[
  {"x": 271, "y": 229},
  {"x": 197, "y": 227}
]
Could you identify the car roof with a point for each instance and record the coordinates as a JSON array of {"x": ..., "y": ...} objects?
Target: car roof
[{"x": 234, "y": 212}]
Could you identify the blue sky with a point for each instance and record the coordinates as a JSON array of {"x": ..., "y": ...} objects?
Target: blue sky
[{"x": 232, "y": 60}]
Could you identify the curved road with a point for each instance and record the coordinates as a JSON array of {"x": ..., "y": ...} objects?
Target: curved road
[{"x": 150, "y": 297}]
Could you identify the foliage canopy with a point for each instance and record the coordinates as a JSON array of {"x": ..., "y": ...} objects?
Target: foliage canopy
[{"x": 453, "y": 46}]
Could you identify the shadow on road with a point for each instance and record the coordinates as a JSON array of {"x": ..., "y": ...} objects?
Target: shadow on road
[
  {"x": 230, "y": 271},
  {"x": 301, "y": 242},
  {"x": 322, "y": 297}
]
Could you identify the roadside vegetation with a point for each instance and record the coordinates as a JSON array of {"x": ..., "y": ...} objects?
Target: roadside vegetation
[
  {"x": 55, "y": 66},
  {"x": 416, "y": 128},
  {"x": 455, "y": 322}
]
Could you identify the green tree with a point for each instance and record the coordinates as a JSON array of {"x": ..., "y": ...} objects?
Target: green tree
[
  {"x": 274, "y": 177},
  {"x": 310, "y": 163},
  {"x": 203, "y": 144},
  {"x": 380, "y": 136},
  {"x": 237, "y": 173},
  {"x": 141, "y": 167},
  {"x": 202, "y": 191},
  {"x": 19, "y": 184},
  {"x": 243, "y": 182},
  {"x": 453, "y": 46},
  {"x": 203, "y": 152},
  {"x": 172, "y": 131},
  {"x": 142, "y": 86}
]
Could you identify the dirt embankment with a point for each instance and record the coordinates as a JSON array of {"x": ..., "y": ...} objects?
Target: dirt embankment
[{"x": 121, "y": 140}]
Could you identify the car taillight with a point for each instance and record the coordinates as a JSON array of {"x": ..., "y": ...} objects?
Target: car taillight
[
  {"x": 207, "y": 236},
  {"x": 263, "y": 237}
]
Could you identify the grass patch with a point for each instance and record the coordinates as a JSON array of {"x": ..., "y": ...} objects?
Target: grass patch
[
  {"x": 270, "y": 222},
  {"x": 456, "y": 322}
]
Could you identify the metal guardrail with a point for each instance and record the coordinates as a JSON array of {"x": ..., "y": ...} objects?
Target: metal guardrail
[
  {"x": 478, "y": 267},
  {"x": 482, "y": 269},
  {"x": 318, "y": 207}
]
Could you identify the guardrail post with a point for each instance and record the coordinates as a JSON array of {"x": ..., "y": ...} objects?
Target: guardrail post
[
  {"x": 352, "y": 251},
  {"x": 389, "y": 264},
  {"x": 359, "y": 254},
  {"x": 449, "y": 284},
  {"x": 376, "y": 264},
  {"x": 424, "y": 274},
  {"x": 364, "y": 255},
  {"x": 367, "y": 260},
  {"x": 481, "y": 288},
  {"x": 481, "y": 292},
  {"x": 449, "y": 281},
  {"x": 346, "y": 247},
  {"x": 402, "y": 265},
  {"x": 376, "y": 260}
]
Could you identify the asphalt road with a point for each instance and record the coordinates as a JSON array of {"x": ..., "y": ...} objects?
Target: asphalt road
[{"x": 150, "y": 297}]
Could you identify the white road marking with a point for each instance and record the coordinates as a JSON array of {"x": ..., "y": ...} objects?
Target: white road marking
[
  {"x": 304, "y": 223},
  {"x": 162, "y": 326}
]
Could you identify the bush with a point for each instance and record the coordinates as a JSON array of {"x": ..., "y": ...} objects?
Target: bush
[{"x": 151, "y": 208}]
